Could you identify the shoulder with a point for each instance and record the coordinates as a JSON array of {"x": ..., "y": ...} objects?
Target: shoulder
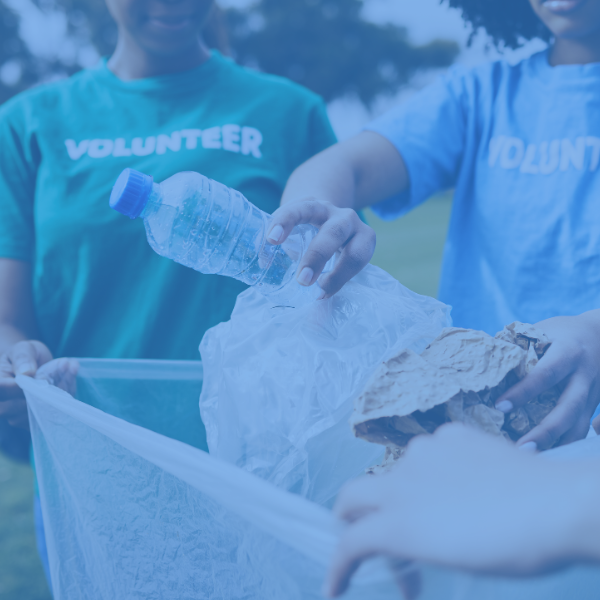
[
  {"x": 488, "y": 83},
  {"x": 41, "y": 97},
  {"x": 494, "y": 72}
]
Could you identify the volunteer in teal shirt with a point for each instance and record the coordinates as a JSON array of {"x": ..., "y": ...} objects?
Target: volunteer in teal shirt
[
  {"x": 79, "y": 277},
  {"x": 99, "y": 289}
]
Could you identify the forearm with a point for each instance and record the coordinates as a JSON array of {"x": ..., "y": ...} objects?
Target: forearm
[
  {"x": 17, "y": 314},
  {"x": 327, "y": 177},
  {"x": 14, "y": 440},
  {"x": 353, "y": 174}
]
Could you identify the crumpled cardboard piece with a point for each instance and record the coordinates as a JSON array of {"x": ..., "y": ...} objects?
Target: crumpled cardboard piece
[{"x": 458, "y": 377}]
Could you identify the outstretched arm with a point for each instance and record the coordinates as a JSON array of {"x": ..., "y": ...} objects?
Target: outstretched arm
[
  {"x": 462, "y": 499},
  {"x": 326, "y": 191},
  {"x": 356, "y": 173}
]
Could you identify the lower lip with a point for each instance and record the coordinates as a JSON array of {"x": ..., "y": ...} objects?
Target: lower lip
[
  {"x": 562, "y": 6},
  {"x": 178, "y": 25}
]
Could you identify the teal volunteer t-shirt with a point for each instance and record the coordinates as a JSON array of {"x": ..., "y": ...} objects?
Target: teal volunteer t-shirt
[{"x": 99, "y": 289}]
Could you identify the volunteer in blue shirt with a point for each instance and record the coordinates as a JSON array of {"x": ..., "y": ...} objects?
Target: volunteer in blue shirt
[
  {"x": 76, "y": 278},
  {"x": 521, "y": 147}
]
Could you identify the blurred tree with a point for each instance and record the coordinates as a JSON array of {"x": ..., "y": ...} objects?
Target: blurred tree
[
  {"x": 325, "y": 45},
  {"x": 17, "y": 67}
]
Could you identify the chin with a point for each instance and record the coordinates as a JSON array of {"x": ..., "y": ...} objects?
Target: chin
[
  {"x": 170, "y": 47},
  {"x": 573, "y": 31}
]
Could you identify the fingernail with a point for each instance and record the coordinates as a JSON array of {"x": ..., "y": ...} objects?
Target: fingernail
[
  {"x": 504, "y": 406},
  {"x": 529, "y": 447},
  {"x": 276, "y": 234},
  {"x": 322, "y": 296},
  {"x": 305, "y": 276}
]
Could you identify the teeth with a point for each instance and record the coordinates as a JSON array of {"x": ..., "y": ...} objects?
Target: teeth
[{"x": 559, "y": 4}]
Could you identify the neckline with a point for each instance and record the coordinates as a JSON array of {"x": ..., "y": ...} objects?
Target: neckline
[
  {"x": 563, "y": 73},
  {"x": 172, "y": 83}
]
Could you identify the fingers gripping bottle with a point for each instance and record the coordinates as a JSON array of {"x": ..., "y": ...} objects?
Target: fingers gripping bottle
[{"x": 211, "y": 228}]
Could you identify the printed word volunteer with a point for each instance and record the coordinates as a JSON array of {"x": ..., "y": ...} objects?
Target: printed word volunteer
[
  {"x": 232, "y": 138},
  {"x": 582, "y": 153}
]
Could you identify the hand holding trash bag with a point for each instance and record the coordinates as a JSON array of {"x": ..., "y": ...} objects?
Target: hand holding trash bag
[
  {"x": 24, "y": 358},
  {"x": 573, "y": 359},
  {"x": 31, "y": 358},
  {"x": 462, "y": 499}
]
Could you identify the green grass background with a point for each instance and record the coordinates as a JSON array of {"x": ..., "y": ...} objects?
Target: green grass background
[{"x": 410, "y": 249}]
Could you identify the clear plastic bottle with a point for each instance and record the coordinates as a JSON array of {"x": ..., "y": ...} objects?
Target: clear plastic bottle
[{"x": 211, "y": 228}]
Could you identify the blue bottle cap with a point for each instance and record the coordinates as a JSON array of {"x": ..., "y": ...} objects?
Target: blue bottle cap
[{"x": 130, "y": 193}]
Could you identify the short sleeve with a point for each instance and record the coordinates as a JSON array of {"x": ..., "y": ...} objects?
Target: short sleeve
[
  {"x": 429, "y": 132},
  {"x": 17, "y": 185}
]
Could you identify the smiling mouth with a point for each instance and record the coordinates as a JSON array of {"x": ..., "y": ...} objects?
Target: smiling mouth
[
  {"x": 562, "y": 6},
  {"x": 170, "y": 22}
]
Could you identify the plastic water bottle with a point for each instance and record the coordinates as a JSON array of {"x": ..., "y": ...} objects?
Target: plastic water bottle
[{"x": 211, "y": 228}]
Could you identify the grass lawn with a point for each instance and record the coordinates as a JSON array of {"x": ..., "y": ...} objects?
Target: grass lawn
[
  {"x": 21, "y": 575},
  {"x": 410, "y": 249}
]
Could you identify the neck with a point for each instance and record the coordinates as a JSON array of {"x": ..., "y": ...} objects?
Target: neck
[
  {"x": 581, "y": 51},
  {"x": 129, "y": 61}
]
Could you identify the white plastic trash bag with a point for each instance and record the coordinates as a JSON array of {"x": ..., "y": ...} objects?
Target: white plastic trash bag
[
  {"x": 280, "y": 381},
  {"x": 130, "y": 513}
]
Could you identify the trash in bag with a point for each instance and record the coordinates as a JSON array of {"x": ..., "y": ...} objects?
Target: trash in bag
[
  {"x": 458, "y": 377},
  {"x": 280, "y": 381}
]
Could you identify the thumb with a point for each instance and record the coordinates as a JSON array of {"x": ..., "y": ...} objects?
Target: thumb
[
  {"x": 555, "y": 365},
  {"x": 26, "y": 357}
]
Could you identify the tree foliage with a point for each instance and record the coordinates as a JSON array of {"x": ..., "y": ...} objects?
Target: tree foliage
[
  {"x": 17, "y": 67},
  {"x": 325, "y": 45}
]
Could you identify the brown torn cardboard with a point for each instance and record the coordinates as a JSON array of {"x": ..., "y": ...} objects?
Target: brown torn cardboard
[{"x": 458, "y": 377}]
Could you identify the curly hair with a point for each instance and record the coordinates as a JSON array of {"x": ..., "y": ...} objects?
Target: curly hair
[{"x": 509, "y": 23}]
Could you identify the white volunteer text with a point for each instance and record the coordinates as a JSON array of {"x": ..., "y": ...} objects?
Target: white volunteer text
[
  {"x": 232, "y": 138},
  {"x": 547, "y": 157}
]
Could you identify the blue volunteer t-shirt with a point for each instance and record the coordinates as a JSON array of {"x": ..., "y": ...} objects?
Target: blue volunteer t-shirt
[{"x": 521, "y": 146}]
